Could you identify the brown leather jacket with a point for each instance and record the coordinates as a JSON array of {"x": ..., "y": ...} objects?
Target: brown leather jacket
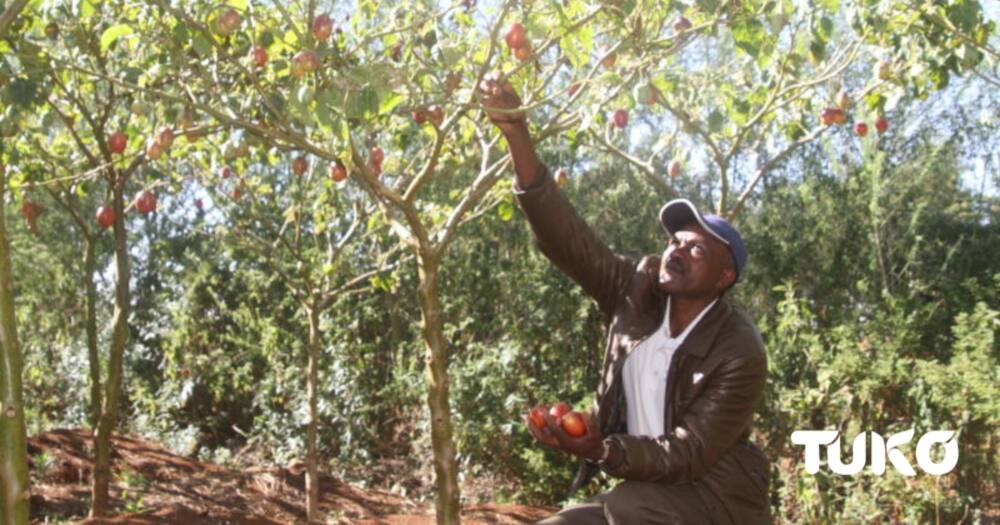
[{"x": 715, "y": 381}]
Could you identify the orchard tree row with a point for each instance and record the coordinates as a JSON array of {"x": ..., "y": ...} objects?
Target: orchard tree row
[{"x": 310, "y": 130}]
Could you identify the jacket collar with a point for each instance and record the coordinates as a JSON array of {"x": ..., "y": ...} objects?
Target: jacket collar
[{"x": 701, "y": 337}]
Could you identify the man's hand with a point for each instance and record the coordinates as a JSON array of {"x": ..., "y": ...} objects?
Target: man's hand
[
  {"x": 588, "y": 446},
  {"x": 500, "y": 101}
]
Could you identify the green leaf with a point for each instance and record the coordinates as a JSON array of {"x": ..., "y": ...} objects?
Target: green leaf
[
  {"x": 749, "y": 36},
  {"x": 112, "y": 34}
]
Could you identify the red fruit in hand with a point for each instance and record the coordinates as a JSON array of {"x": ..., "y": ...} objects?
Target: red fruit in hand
[
  {"x": 145, "y": 202},
  {"x": 537, "y": 417},
  {"x": 300, "y": 165},
  {"x": 338, "y": 172},
  {"x": 117, "y": 142},
  {"x": 621, "y": 118},
  {"x": 881, "y": 125},
  {"x": 832, "y": 116},
  {"x": 259, "y": 55},
  {"x": 105, "y": 217},
  {"x": 573, "y": 424},
  {"x": 515, "y": 36},
  {"x": 558, "y": 410},
  {"x": 436, "y": 115},
  {"x": 861, "y": 129},
  {"x": 322, "y": 27}
]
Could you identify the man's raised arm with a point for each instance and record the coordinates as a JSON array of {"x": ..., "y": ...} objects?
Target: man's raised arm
[{"x": 561, "y": 234}]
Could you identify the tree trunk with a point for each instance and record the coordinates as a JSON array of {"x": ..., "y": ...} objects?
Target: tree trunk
[
  {"x": 13, "y": 441},
  {"x": 119, "y": 338},
  {"x": 436, "y": 358},
  {"x": 312, "y": 380},
  {"x": 93, "y": 356}
]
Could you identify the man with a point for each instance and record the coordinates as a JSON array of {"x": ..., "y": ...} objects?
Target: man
[{"x": 683, "y": 369}]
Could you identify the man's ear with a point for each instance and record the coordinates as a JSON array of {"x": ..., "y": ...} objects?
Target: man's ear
[{"x": 726, "y": 278}]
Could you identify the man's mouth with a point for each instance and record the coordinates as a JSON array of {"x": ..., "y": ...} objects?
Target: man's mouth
[{"x": 674, "y": 267}]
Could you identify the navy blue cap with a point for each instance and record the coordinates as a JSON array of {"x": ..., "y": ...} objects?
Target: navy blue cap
[{"x": 680, "y": 212}]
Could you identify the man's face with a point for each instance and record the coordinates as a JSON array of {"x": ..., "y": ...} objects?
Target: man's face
[{"x": 695, "y": 264}]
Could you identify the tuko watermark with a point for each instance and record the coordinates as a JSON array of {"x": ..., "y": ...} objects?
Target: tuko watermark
[{"x": 881, "y": 449}]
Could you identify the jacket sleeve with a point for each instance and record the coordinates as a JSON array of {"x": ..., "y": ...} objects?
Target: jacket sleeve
[
  {"x": 710, "y": 425},
  {"x": 566, "y": 240}
]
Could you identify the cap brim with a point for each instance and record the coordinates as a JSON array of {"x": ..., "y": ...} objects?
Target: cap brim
[{"x": 678, "y": 213}]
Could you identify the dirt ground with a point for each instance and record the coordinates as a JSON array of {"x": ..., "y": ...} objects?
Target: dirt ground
[{"x": 154, "y": 486}]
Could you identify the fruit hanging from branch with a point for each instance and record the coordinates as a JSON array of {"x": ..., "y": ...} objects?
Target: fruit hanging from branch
[
  {"x": 105, "y": 216},
  {"x": 843, "y": 100},
  {"x": 229, "y": 20},
  {"x": 165, "y": 137},
  {"x": 52, "y": 31},
  {"x": 31, "y": 210},
  {"x": 609, "y": 61},
  {"x": 620, "y": 118},
  {"x": 153, "y": 149},
  {"x": 674, "y": 168},
  {"x": 515, "y": 37},
  {"x": 305, "y": 61},
  {"x": 145, "y": 202},
  {"x": 259, "y": 55},
  {"x": 338, "y": 172},
  {"x": 523, "y": 53},
  {"x": 300, "y": 165},
  {"x": 436, "y": 115},
  {"x": 419, "y": 116},
  {"x": 562, "y": 177},
  {"x": 831, "y": 116},
  {"x": 322, "y": 27},
  {"x": 225, "y": 172},
  {"x": 881, "y": 125},
  {"x": 681, "y": 24},
  {"x": 861, "y": 129},
  {"x": 117, "y": 142}
]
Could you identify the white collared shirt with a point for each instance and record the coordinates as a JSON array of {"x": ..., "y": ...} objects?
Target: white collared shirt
[{"x": 645, "y": 376}]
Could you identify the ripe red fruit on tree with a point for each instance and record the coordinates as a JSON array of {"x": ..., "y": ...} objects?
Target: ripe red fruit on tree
[
  {"x": 609, "y": 61},
  {"x": 562, "y": 177},
  {"x": 145, "y": 202},
  {"x": 322, "y": 27},
  {"x": 105, "y": 216},
  {"x": 832, "y": 116},
  {"x": 338, "y": 172},
  {"x": 681, "y": 24},
  {"x": 515, "y": 36},
  {"x": 225, "y": 172},
  {"x": 31, "y": 210},
  {"x": 861, "y": 129},
  {"x": 523, "y": 53},
  {"x": 573, "y": 89},
  {"x": 227, "y": 22},
  {"x": 259, "y": 56},
  {"x": 153, "y": 149},
  {"x": 300, "y": 165},
  {"x": 199, "y": 204},
  {"x": 621, "y": 118},
  {"x": 52, "y": 31},
  {"x": 165, "y": 137},
  {"x": 573, "y": 424},
  {"x": 452, "y": 82},
  {"x": 436, "y": 115},
  {"x": 674, "y": 168},
  {"x": 237, "y": 194},
  {"x": 558, "y": 410},
  {"x": 305, "y": 61},
  {"x": 377, "y": 155},
  {"x": 537, "y": 417},
  {"x": 117, "y": 142},
  {"x": 843, "y": 100},
  {"x": 419, "y": 116},
  {"x": 881, "y": 125}
]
